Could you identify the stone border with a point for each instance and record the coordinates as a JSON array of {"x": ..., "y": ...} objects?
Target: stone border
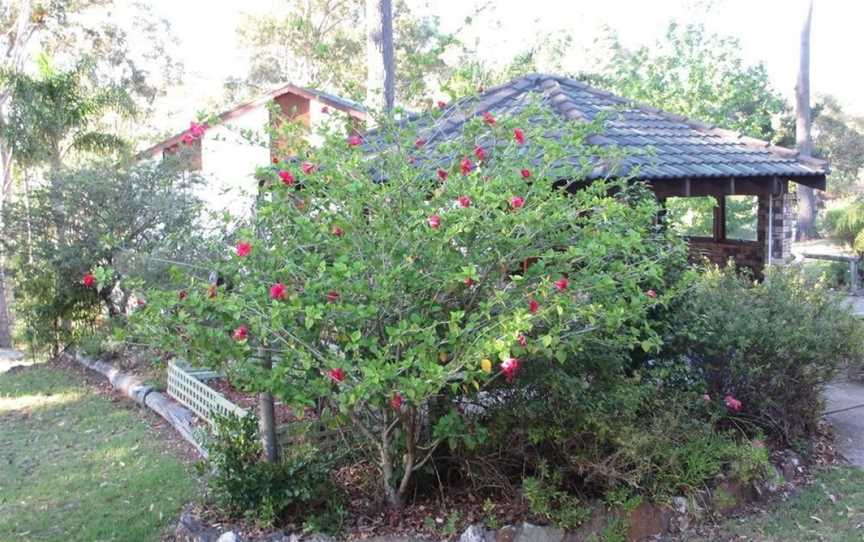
[{"x": 179, "y": 417}]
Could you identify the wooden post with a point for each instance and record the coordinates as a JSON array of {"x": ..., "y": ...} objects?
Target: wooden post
[
  {"x": 720, "y": 219},
  {"x": 267, "y": 413}
]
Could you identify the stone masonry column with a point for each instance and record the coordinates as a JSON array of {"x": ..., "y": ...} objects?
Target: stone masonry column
[{"x": 779, "y": 233}]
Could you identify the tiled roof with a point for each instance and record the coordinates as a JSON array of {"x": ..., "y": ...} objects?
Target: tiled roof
[{"x": 657, "y": 144}]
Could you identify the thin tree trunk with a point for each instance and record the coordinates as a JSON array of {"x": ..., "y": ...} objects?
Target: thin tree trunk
[
  {"x": 380, "y": 58},
  {"x": 806, "y": 198},
  {"x": 267, "y": 414},
  {"x": 5, "y": 289}
]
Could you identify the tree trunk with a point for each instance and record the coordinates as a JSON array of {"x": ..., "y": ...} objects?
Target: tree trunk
[
  {"x": 380, "y": 78},
  {"x": 5, "y": 290},
  {"x": 806, "y": 198},
  {"x": 267, "y": 415}
]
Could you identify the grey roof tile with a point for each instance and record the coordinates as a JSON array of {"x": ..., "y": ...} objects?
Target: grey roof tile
[{"x": 661, "y": 145}]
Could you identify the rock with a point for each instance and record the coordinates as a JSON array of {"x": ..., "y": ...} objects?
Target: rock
[
  {"x": 535, "y": 533},
  {"x": 728, "y": 496},
  {"x": 319, "y": 537},
  {"x": 474, "y": 533},
  {"x": 190, "y": 529},
  {"x": 228, "y": 536},
  {"x": 647, "y": 520},
  {"x": 680, "y": 520},
  {"x": 791, "y": 465}
]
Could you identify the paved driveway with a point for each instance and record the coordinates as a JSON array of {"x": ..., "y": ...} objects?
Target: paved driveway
[{"x": 848, "y": 399}]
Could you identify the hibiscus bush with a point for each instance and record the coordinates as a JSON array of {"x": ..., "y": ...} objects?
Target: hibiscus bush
[{"x": 389, "y": 283}]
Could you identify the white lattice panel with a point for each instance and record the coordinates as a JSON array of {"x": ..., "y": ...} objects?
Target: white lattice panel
[{"x": 198, "y": 396}]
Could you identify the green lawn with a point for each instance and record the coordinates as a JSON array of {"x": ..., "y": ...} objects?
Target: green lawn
[
  {"x": 831, "y": 510},
  {"x": 75, "y": 467}
]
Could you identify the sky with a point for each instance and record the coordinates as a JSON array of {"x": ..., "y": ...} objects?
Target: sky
[{"x": 768, "y": 30}]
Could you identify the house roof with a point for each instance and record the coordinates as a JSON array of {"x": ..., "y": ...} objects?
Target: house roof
[
  {"x": 657, "y": 145},
  {"x": 343, "y": 104}
]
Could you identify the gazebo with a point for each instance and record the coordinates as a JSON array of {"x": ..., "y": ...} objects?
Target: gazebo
[{"x": 678, "y": 157}]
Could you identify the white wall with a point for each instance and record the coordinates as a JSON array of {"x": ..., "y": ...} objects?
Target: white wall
[{"x": 228, "y": 162}]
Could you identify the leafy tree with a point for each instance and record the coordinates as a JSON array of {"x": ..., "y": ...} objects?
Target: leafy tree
[
  {"x": 839, "y": 138},
  {"x": 322, "y": 44},
  {"x": 379, "y": 290},
  {"x": 697, "y": 74},
  {"x": 125, "y": 222}
]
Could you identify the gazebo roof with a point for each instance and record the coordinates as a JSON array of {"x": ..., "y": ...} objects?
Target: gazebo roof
[{"x": 657, "y": 145}]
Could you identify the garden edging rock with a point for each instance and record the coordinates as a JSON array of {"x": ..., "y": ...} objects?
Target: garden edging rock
[{"x": 180, "y": 418}]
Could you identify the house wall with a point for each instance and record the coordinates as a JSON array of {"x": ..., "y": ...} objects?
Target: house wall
[{"x": 228, "y": 162}]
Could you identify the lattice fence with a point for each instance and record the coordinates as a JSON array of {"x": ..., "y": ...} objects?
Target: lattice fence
[{"x": 189, "y": 388}]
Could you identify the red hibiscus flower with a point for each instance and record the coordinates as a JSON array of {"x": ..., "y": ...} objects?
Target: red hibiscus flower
[
  {"x": 140, "y": 302},
  {"x": 510, "y": 368},
  {"x": 278, "y": 291},
  {"x": 181, "y": 295},
  {"x": 196, "y": 129},
  {"x": 337, "y": 374},
  {"x": 88, "y": 280},
  {"x": 287, "y": 177},
  {"x": 464, "y": 201},
  {"x": 519, "y": 136},
  {"x": 469, "y": 282},
  {"x": 419, "y": 142},
  {"x": 434, "y": 221},
  {"x": 466, "y": 166},
  {"x": 243, "y": 249},
  {"x": 526, "y": 173},
  {"x": 488, "y": 118},
  {"x": 355, "y": 140},
  {"x": 396, "y": 401},
  {"x": 441, "y": 105},
  {"x": 442, "y": 174},
  {"x": 732, "y": 403},
  {"x": 522, "y": 340},
  {"x": 325, "y": 109},
  {"x": 517, "y": 202},
  {"x": 241, "y": 333},
  {"x": 652, "y": 294},
  {"x": 187, "y": 139},
  {"x": 480, "y": 153},
  {"x": 562, "y": 284},
  {"x": 337, "y": 231},
  {"x": 533, "y": 306},
  {"x": 332, "y": 296},
  {"x": 308, "y": 168},
  {"x": 275, "y": 160}
]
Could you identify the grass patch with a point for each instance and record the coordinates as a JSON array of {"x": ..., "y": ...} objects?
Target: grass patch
[
  {"x": 74, "y": 466},
  {"x": 831, "y": 508}
]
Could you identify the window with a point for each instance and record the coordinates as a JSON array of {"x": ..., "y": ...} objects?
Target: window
[
  {"x": 691, "y": 217},
  {"x": 741, "y": 216}
]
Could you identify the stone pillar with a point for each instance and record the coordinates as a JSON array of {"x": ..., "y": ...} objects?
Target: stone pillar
[{"x": 779, "y": 233}]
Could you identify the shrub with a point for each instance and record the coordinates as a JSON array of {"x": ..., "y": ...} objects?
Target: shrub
[
  {"x": 772, "y": 345},
  {"x": 644, "y": 431},
  {"x": 111, "y": 216},
  {"x": 242, "y": 485},
  {"x": 387, "y": 295},
  {"x": 846, "y": 224}
]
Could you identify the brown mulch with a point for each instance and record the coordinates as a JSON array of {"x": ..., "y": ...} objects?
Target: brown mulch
[{"x": 250, "y": 401}]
